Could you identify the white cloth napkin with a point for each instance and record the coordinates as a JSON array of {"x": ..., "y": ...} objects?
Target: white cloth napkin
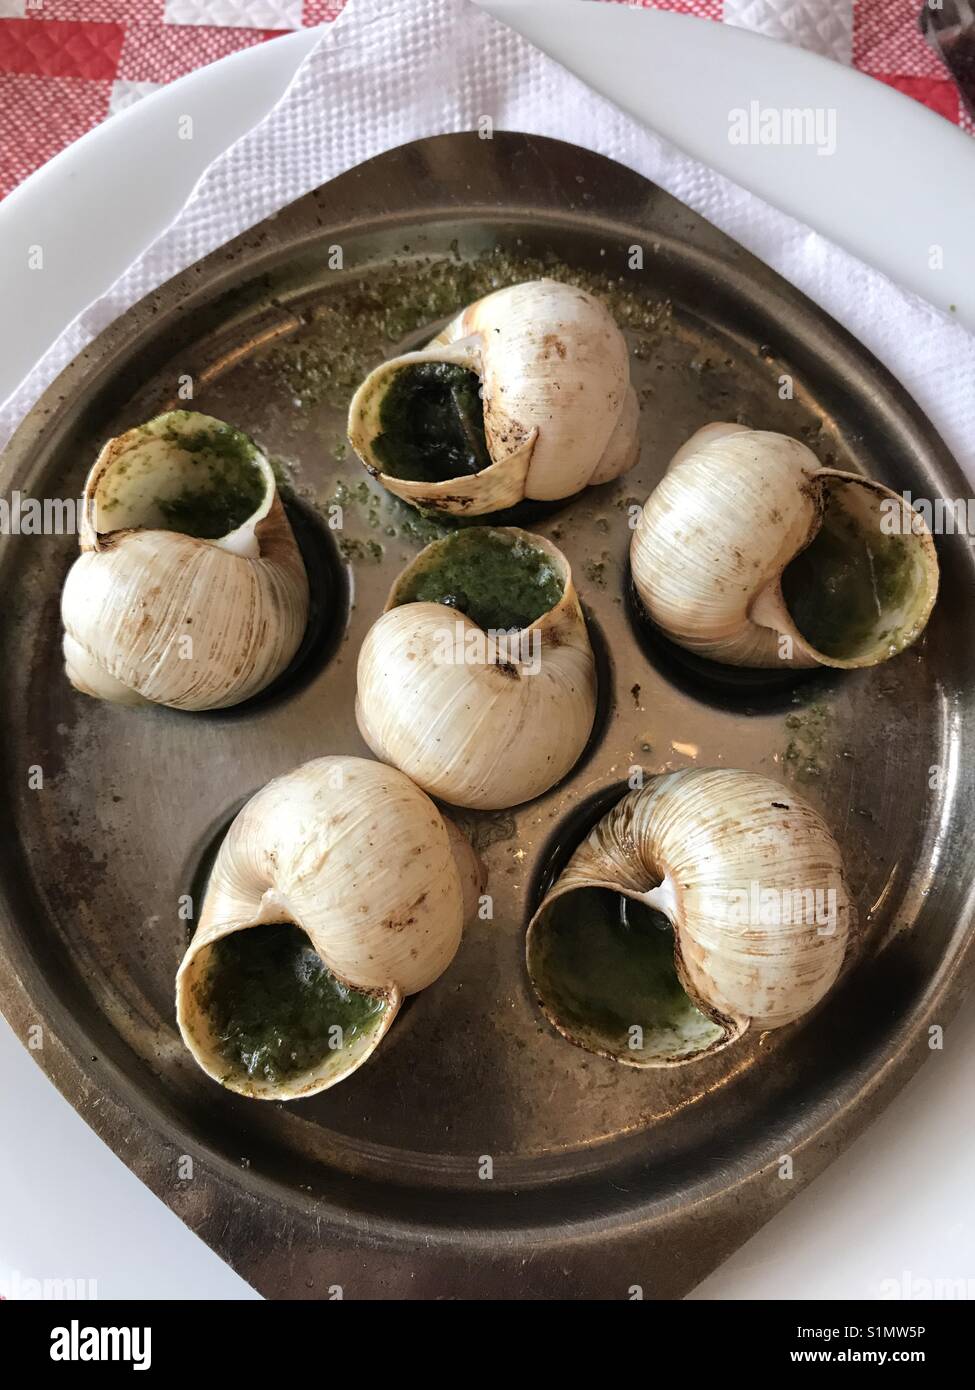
[{"x": 390, "y": 71}]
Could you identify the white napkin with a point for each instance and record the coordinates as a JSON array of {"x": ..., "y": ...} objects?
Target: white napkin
[{"x": 390, "y": 71}]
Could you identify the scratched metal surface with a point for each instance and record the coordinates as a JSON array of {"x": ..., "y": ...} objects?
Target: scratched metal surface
[{"x": 603, "y": 1177}]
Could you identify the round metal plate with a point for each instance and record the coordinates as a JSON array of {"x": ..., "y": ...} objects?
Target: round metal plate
[{"x": 601, "y": 1178}]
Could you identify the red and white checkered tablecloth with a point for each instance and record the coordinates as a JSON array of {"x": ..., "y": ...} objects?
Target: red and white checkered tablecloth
[{"x": 67, "y": 64}]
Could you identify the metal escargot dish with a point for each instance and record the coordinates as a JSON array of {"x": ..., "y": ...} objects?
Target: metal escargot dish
[
  {"x": 692, "y": 932},
  {"x": 478, "y": 680},
  {"x": 338, "y": 890},
  {"x": 708, "y": 903},
  {"x": 190, "y": 589},
  {"x": 749, "y": 552},
  {"x": 525, "y": 394}
]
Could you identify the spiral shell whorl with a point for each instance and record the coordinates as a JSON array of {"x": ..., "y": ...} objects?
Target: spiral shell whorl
[
  {"x": 752, "y": 882},
  {"x": 717, "y": 531},
  {"x": 362, "y": 861},
  {"x": 751, "y": 554}
]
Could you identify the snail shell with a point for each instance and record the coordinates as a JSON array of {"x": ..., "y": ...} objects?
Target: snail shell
[
  {"x": 457, "y": 708},
  {"x": 751, "y": 554},
  {"x": 751, "y": 882},
  {"x": 154, "y": 615},
  {"x": 359, "y": 859},
  {"x": 559, "y": 412}
]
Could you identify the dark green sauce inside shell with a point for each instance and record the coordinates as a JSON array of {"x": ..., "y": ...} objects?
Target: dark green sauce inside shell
[
  {"x": 272, "y": 1003},
  {"x": 226, "y": 487},
  {"x": 604, "y": 965},
  {"x": 499, "y": 580},
  {"x": 431, "y": 423},
  {"x": 844, "y": 589}
]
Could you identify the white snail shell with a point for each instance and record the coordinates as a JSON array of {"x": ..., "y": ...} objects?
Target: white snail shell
[
  {"x": 362, "y": 861},
  {"x": 753, "y": 885},
  {"x": 490, "y": 732},
  {"x": 735, "y": 508},
  {"x": 560, "y": 413},
  {"x": 152, "y": 615}
]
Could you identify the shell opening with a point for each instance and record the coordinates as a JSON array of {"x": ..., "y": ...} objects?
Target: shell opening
[
  {"x": 431, "y": 424},
  {"x": 495, "y": 576},
  {"x": 182, "y": 472},
  {"x": 859, "y": 591},
  {"x": 604, "y": 967},
  {"x": 273, "y": 1015}
]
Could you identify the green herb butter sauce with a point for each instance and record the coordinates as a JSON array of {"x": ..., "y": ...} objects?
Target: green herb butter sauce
[
  {"x": 273, "y": 1004},
  {"x": 225, "y": 489},
  {"x": 432, "y": 424},
  {"x": 201, "y": 480},
  {"x": 604, "y": 966},
  {"x": 846, "y": 588},
  {"x": 497, "y": 579}
]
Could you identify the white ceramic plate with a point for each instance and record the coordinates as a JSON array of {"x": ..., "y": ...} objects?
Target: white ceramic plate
[{"x": 897, "y": 1208}]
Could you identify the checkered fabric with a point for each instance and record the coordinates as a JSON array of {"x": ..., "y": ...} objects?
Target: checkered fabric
[{"x": 67, "y": 64}]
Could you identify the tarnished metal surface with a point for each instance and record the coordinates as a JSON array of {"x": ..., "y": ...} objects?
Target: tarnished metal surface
[{"x": 604, "y": 1178}]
